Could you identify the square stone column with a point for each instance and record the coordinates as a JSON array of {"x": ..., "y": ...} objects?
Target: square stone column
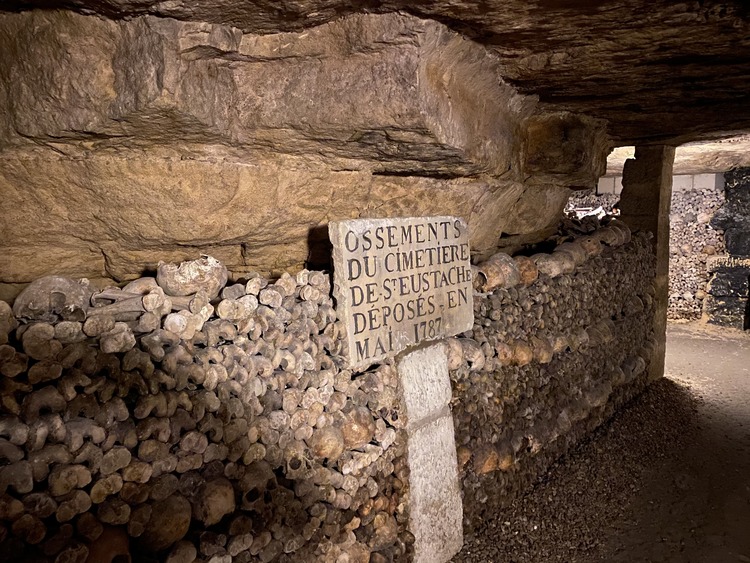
[
  {"x": 644, "y": 205},
  {"x": 435, "y": 507}
]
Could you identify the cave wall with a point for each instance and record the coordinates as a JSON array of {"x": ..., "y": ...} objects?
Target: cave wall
[{"x": 124, "y": 143}]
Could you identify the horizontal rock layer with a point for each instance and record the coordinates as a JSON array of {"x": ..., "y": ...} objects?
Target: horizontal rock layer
[
  {"x": 112, "y": 216},
  {"x": 653, "y": 69},
  {"x": 702, "y": 157},
  {"x": 126, "y": 142},
  {"x": 403, "y": 94}
]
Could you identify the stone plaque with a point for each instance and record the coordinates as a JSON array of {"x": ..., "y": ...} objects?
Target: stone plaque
[{"x": 399, "y": 282}]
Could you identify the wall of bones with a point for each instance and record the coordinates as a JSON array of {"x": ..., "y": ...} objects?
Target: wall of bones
[
  {"x": 560, "y": 341},
  {"x": 226, "y": 432},
  {"x": 183, "y": 417}
]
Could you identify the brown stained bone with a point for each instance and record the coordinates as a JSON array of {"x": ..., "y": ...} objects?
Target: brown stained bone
[
  {"x": 30, "y": 529},
  {"x": 114, "y": 410},
  {"x": 191, "y": 303},
  {"x": 17, "y": 476},
  {"x": 69, "y": 332},
  {"x": 39, "y": 341},
  {"x": 120, "y": 310},
  {"x": 170, "y": 520},
  {"x": 576, "y": 250},
  {"x": 110, "y": 546},
  {"x": 44, "y": 371},
  {"x": 12, "y": 362},
  {"x": 183, "y": 552},
  {"x": 472, "y": 353},
  {"x": 591, "y": 245},
  {"x": 98, "y": 324},
  {"x": 75, "y": 553},
  {"x": 80, "y": 355},
  {"x": 113, "y": 511},
  {"x": 10, "y": 508},
  {"x": 65, "y": 478},
  {"x": 106, "y": 487},
  {"x": 139, "y": 519},
  {"x": 147, "y": 322},
  {"x": 80, "y": 429},
  {"x": 14, "y": 430},
  {"x": 118, "y": 340},
  {"x": 500, "y": 270},
  {"x": 565, "y": 260},
  {"x": 114, "y": 460},
  {"x": 41, "y": 460},
  {"x": 213, "y": 500},
  {"x": 40, "y": 505},
  {"x": 89, "y": 527},
  {"x": 8, "y": 322},
  {"x": 183, "y": 323},
  {"x": 10, "y": 453},
  {"x": 46, "y": 398},
  {"x": 547, "y": 265}
]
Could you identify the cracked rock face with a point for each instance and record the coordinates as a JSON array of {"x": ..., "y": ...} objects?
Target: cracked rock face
[
  {"x": 652, "y": 68},
  {"x": 126, "y": 142}
]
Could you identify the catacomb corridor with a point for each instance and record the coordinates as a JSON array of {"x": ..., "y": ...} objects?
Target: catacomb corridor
[{"x": 374, "y": 281}]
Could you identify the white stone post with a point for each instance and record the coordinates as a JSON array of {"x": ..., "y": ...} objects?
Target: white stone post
[{"x": 436, "y": 510}]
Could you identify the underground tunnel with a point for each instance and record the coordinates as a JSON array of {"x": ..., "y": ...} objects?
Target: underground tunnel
[{"x": 307, "y": 282}]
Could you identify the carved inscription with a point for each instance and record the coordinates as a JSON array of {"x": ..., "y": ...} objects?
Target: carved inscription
[{"x": 398, "y": 282}]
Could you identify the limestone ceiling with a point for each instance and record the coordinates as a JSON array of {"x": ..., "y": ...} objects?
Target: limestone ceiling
[{"x": 655, "y": 69}]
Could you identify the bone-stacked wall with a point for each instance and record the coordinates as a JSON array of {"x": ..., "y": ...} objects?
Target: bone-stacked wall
[
  {"x": 175, "y": 428},
  {"x": 550, "y": 358},
  {"x": 728, "y": 301},
  {"x": 227, "y": 433}
]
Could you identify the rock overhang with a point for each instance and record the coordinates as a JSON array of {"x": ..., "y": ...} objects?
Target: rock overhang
[{"x": 656, "y": 71}]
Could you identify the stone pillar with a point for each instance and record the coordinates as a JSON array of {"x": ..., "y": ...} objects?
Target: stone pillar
[
  {"x": 644, "y": 205},
  {"x": 435, "y": 507}
]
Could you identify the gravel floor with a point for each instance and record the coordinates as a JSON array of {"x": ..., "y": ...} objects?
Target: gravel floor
[{"x": 667, "y": 479}]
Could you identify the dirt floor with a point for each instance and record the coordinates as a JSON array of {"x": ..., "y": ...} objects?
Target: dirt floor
[{"x": 667, "y": 479}]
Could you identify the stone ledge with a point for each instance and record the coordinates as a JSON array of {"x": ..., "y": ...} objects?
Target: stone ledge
[{"x": 402, "y": 94}]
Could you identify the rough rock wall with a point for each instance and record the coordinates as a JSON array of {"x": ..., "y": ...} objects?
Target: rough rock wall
[
  {"x": 548, "y": 361},
  {"x": 226, "y": 434},
  {"x": 123, "y": 143}
]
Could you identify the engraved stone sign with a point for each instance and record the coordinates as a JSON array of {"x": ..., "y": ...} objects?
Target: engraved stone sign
[{"x": 398, "y": 282}]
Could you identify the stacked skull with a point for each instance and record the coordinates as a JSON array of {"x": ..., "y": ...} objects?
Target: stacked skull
[
  {"x": 181, "y": 418},
  {"x": 560, "y": 340}
]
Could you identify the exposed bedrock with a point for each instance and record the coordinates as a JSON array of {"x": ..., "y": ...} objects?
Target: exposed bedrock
[
  {"x": 126, "y": 142},
  {"x": 113, "y": 216},
  {"x": 655, "y": 69},
  {"x": 406, "y": 94}
]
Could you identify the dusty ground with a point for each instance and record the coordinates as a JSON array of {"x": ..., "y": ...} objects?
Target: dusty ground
[{"x": 667, "y": 479}]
